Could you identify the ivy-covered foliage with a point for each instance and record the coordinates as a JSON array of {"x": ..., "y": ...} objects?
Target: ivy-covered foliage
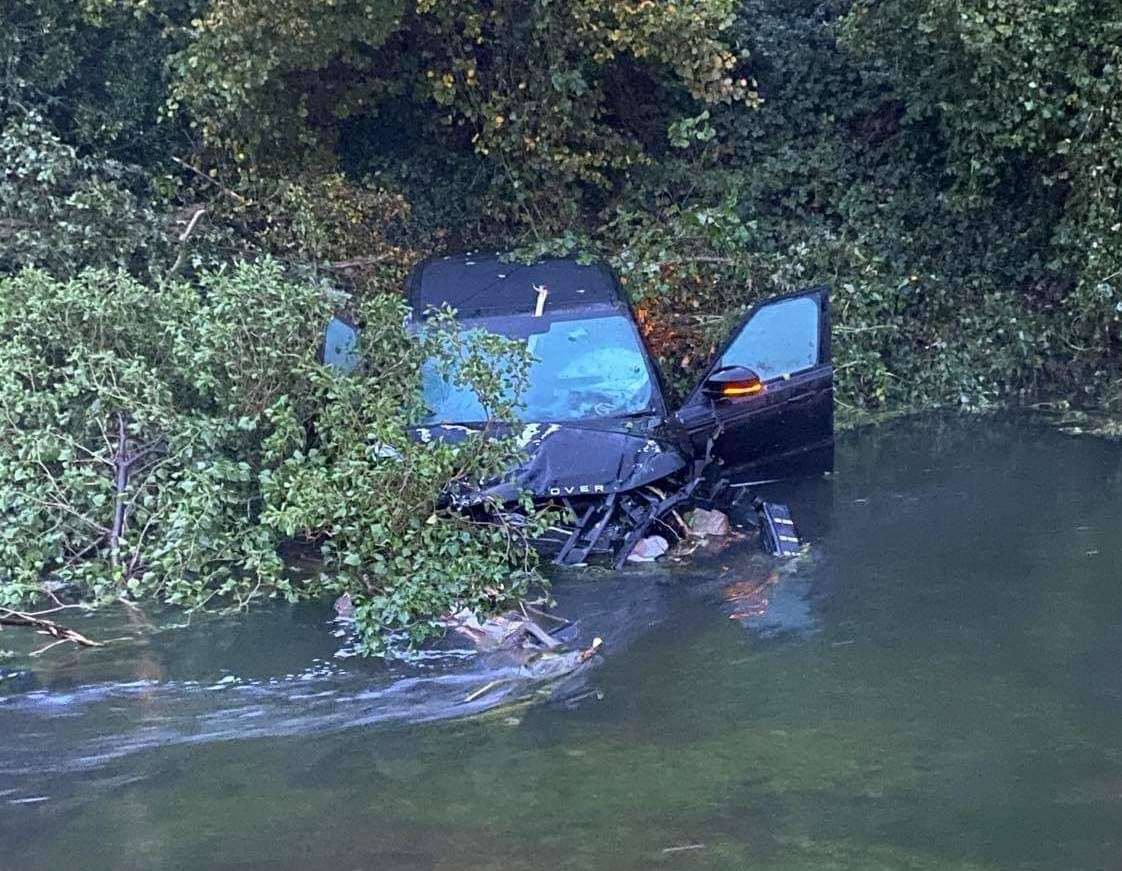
[
  {"x": 257, "y": 78},
  {"x": 947, "y": 288},
  {"x": 95, "y": 69},
  {"x": 165, "y": 440},
  {"x": 1024, "y": 96}
]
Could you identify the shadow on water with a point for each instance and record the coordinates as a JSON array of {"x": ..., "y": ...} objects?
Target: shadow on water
[{"x": 935, "y": 685}]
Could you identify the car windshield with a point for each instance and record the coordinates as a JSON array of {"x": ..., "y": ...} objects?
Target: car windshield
[{"x": 583, "y": 368}]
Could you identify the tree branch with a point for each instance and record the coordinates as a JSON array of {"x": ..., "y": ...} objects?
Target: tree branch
[
  {"x": 183, "y": 237},
  {"x": 10, "y": 617},
  {"x": 121, "y": 483},
  {"x": 357, "y": 262},
  {"x": 207, "y": 178}
]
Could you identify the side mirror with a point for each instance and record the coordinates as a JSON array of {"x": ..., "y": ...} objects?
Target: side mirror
[{"x": 732, "y": 382}]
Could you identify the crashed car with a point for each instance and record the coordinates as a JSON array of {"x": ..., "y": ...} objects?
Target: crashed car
[{"x": 600, "y": 438}]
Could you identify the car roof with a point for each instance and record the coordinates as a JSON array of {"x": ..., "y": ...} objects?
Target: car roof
[{"x": 481, "y": 284}]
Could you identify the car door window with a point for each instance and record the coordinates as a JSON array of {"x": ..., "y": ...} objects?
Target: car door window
[
  {"x": 781, "y": 338},
  {"x": 340, "y": 342}
]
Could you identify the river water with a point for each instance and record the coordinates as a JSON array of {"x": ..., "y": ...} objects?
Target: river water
[{"x": 937, "y": 683}]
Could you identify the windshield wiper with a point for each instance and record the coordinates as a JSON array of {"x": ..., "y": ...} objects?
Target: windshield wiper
[{"x": 632, "y": 415}]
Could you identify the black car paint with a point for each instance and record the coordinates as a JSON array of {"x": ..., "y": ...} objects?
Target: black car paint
[
  {"x": 787, "y": 431},
  {"x": 591, "y": 458}
]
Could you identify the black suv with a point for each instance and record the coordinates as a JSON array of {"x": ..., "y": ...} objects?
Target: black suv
[{"x": 599, "y": 435}]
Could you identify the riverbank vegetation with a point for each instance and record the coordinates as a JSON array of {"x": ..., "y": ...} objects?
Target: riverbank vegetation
[
  {"x": 189, "y": 188},
  {"x": 168, "y": 440}
]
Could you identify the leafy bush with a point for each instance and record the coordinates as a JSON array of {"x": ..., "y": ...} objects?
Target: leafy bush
[
  {"x": 540, "y": 91},
  {"x": 840, "y": 178},
  {"x": 318, "y": 224},
  {"x": 1023, "y": 96},
  {"x": 62, "y": 211},
  {"x": 94, "y": 69},
  {"x": 165, "y": 440}
]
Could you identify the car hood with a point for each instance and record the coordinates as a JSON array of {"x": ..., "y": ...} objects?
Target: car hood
[{"x": 578, "y": 459}]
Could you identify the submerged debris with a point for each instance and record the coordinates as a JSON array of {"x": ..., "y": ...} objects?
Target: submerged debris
[
  {"x": 648, "y": 549},
  {"x": 749, "y": 598},
  {"x": 552, "y": 664},
  {"x": 540, "y": 667},
  {"x": 344, "y": 608},
  {"x": 778, "y": 535},
  {"x": 38, "y": 622},
  {"x": 535, "y": 655},
  {"x": 703, "y": 523},
  {"x": 500, "y": 632}
]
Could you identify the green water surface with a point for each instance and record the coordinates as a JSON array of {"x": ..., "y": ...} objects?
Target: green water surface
[{"x": 937, "y": 684}]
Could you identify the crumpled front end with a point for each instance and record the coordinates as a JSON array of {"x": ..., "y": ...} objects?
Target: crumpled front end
[
  {"x": 614, "y": 486},
  {"x": 568, "y": 462}
]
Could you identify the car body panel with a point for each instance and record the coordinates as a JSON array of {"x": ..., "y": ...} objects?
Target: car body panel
[
  {"x": 787, "y": 430},
  {"x": 567, "y": 461},
  {"x": 481, "y": 284}
]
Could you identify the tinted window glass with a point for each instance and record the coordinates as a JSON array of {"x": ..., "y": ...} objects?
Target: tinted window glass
[
  {"x": 781, "y": 338},
  {"x": 584, "y": 368}
]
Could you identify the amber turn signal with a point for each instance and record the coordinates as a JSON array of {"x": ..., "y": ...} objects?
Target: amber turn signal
[
  {"x": 733, "y": 382},
  {"x": 731, "y": 390}
]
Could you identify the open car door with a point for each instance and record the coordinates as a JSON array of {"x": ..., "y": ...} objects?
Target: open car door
[{"x": 769, "y": 396}]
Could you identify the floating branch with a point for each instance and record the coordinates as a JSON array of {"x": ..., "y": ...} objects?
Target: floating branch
[{"x": 62, "y": 634}]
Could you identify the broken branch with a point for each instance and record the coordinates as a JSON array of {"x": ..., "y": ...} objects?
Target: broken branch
[
  {"x": 121, "y": 483},
  {"x": 183, "y": 237},
  {"x": 10, "y": 617},
  {"x": 357, "y": 262},
  {"x": 207, "y": 178}
]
